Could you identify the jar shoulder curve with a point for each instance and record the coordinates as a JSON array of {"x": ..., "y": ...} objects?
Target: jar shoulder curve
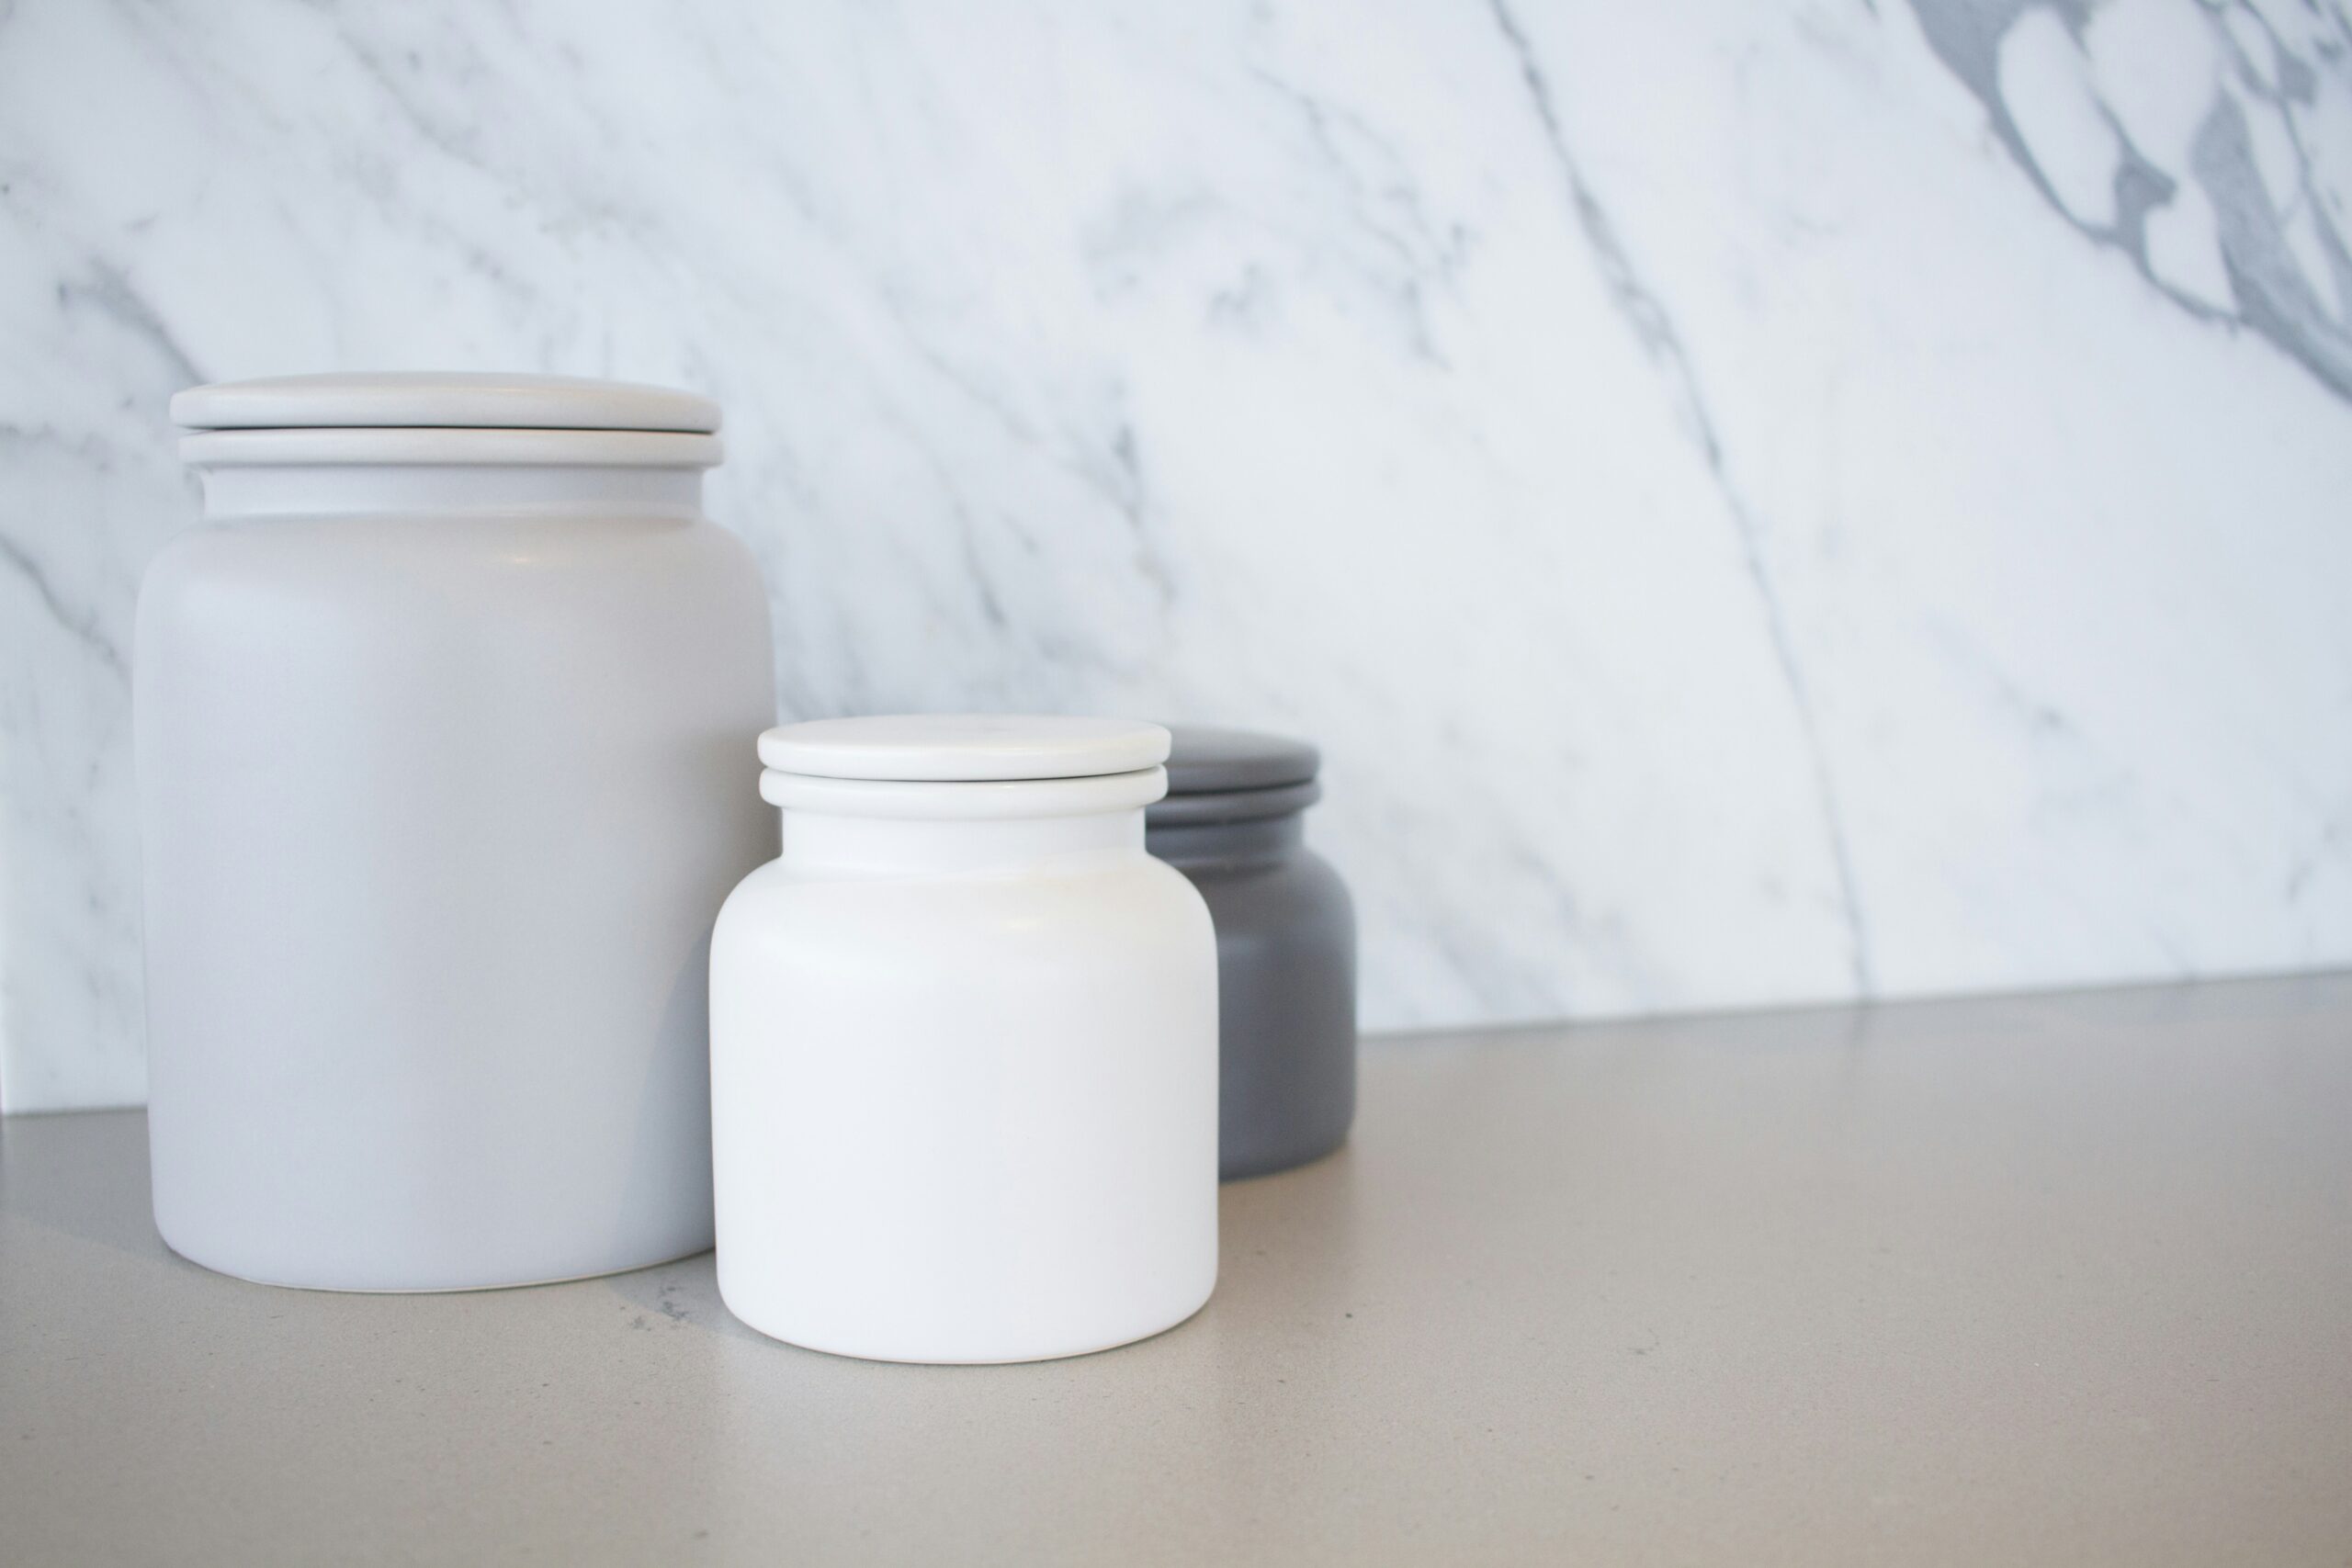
[
  {"x": 729, "y": 550},
  {"x": 747, "y": 904},
  {"x": 1297, "y": 875},
  {"x": 187, "y": 552},
  {"x": 1320, "y": 876},
  {"x": 733, "y": 563},
  {"x": 1060, "y": 913},
  {"x": 1296, "y": 894},
  {"x": 457, "y": 566},
  {"x": 542, "y": 539},
  {"x": 1183, "y": 899}
]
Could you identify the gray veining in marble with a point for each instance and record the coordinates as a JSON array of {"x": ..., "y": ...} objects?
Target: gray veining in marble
[
  {"x": 1759, "y": 502},
  {"x": 2275, "y": 56}
]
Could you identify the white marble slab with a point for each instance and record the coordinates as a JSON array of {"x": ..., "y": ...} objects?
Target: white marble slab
[{"x": 1758, "y": 502}]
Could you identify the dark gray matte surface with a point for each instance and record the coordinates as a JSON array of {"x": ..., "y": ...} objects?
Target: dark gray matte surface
[
  {"x": 1286, "y": 989},
  {"x": 1231, "y": 805},
  {"x": 1205, "y": 759}
]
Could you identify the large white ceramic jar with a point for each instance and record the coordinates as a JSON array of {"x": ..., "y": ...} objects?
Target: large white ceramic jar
[
  {"x": 963, "y": 1048},
  {"x": 437, "y": 719}
]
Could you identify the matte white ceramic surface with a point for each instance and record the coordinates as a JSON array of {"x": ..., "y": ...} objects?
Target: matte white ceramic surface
[
  {"x": 440, "y": 793},
  {"x": 963, "y": 1067}
]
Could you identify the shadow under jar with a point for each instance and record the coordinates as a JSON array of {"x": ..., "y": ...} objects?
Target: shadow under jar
[
  {"x": 1233, "y": 822},
  {"x": 437, "y": 715}
]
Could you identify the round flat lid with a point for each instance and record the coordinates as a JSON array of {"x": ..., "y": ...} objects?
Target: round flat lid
[
  {"x": 1210, "y": 761},
  {"x": 964, "y": 747},
  {"x": 441, "y": 398}
]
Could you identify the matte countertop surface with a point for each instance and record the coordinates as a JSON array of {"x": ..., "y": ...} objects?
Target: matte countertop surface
[{"x": 2038, "y": 1280}]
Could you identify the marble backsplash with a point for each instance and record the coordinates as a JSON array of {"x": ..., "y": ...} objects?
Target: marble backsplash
[{"x": 1759, "y": 501}]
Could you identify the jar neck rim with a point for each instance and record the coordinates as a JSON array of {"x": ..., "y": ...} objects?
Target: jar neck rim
[
  {"x": 997, "y": 799},
  {"x": 1236, "y": 804},
  {"x": 1244, "y": 840},
  {"x": 449, "y": 447},
  {"x": 828, "y": 843},
  {"x": 239, "y": 491}
]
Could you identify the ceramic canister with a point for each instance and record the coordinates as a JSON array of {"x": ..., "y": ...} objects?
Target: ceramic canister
[
  {"x": 964, "y": 1047},
  {"x": 1233, "y": 822},
  {"x": 436, "y": 716}
]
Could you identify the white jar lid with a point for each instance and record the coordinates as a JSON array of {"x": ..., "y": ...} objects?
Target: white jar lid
[
  {"x": 443, "y": 399},
  {"x": 964, "y": 747}
]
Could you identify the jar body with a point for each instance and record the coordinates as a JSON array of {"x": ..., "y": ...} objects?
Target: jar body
[
  {"x": 1285, "y": 936},
  {"x": 438, "y": 805},
  {"x": 965, "y": 1090}
]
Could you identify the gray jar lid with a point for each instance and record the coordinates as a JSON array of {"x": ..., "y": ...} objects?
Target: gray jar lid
[
  {"x": 442, "y": 399},
  {"x": 1205, "y": 761},
  {"x": 1233, "y": 775}
]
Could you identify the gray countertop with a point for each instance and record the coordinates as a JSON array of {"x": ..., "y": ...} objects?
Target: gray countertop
[{"x": 2056, "y": 1279}]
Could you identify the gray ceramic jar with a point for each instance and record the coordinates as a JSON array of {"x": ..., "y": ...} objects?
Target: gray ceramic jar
[{"x": 1285, "y": 943}]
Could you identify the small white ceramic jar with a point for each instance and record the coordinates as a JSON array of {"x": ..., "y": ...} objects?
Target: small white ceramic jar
[
  {"x": 963, "y": 1048},
  {"x": 437, "y": 719}
]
